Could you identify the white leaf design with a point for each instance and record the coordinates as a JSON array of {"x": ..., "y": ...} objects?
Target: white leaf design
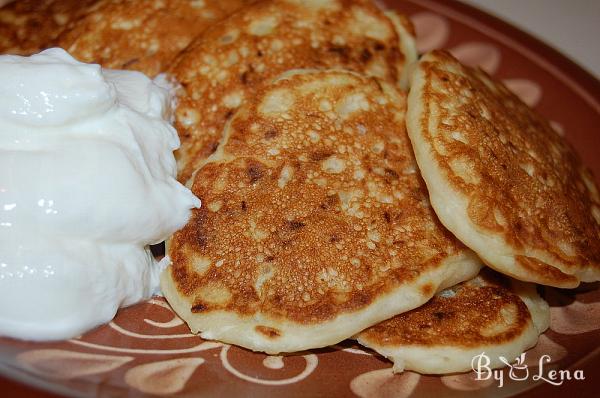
[
  {"x": 352, "y": 350},
  {"x": 126, "y": 332},
  {"x": 575, "y": 318},
  {"x": 384, "y": 383},
  {"x": 381, "y": 4},
  {"x": 529, "y": 92},
  {"x": 432, "y": 31},
  {"x": 557, "y": 127},
  {"x": 164, "y": 377},
  {"x": 273, "y": 362},
  {"x": 545, "y": 346},
  {"x": 165, "y": 325},
  {"x": 176, "y": 321},
  {"x": 478, "y": 54},
  {"x": 466, "y": 382},
  {"x": 63, "y": 364},
  {"x": 311, "y": 364}
]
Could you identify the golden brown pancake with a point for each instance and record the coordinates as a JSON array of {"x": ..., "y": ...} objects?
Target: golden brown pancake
[
  {"x": 315, "y": 223},
  {"x": 489, "y": 314},
  {"x": 408, "y": 47},
  {"x": 142, "y": 35},
  {"x": 29, "y": 26},
  {"x": 227, "y": 63},
  {"x": 500, "y": 178}
]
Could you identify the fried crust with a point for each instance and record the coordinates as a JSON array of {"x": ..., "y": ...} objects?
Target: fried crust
[
  {"x": 315, "y": 220},
  {"x": 142, "y": 35},
  {"x": 29, "y": 26},
  {"x": 485, "y": 314},
  {"x": 500, "y": 178},
  {"x": 226, "y": 64}
]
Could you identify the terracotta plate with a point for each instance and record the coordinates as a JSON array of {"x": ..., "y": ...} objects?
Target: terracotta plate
[{"x": 147, "y": 350}]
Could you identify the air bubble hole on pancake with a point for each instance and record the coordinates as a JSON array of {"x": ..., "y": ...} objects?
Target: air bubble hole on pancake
[
  {"x": 142, "y": 35},
  {"x": 500, "y": 179},
  {"x": 316, "y": 223},
  {"x": 490, "y": 313},
  {"x": 225, "y": 65}
]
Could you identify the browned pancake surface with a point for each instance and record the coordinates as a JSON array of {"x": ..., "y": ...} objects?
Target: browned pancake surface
[
  {"x": 489, "y": 314},
  {"x": 466, "y": 315},
  {"x": 29, "y": 26},
  {"x": 312, "y": 210},
  {"x": 520, "y": 183},
  {"x": 142, "y": 35},
  {"x": 223, "y": 66}
]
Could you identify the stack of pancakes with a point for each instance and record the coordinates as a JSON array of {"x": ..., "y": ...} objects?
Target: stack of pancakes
[{"x": 349, "y": 190}]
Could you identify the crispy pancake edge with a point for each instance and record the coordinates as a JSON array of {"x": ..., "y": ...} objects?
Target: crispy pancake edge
[
  {"x": 325, "y": 334},
  {"x": 35, "y": 24},
  {"x": 451, "y": 206},
  {"x": 407, "y": 36},
  {"x": 443, "y": 359},
  {"x": 142, "y": 35}
]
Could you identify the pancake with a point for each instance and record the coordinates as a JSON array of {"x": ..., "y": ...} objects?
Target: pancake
[
  {"x": 500, "y": 178},
  {"x": 29, "y": 26},
  {"x": 406, "y": 34},
  {"x": 489, "y": 314},
  {"x": 142, "y": 35},
  {"x": 227, "y": 63},
  {"x": 315, "y": 223}
]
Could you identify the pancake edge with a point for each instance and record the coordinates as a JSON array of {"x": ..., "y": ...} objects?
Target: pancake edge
[
  {"x": 447, "y": 359},
  {"x": 451, "y": 208},
  {"x": 233, "y": 329}
]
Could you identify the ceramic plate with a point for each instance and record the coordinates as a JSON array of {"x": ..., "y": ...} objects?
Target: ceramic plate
[{"x": 147, "y": 350}]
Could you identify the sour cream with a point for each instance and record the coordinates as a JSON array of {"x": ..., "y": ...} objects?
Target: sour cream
[{"x": 87, "y": 182}]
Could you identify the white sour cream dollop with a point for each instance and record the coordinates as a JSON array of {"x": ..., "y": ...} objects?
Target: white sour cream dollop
[{"x": 87, "y": 182}]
